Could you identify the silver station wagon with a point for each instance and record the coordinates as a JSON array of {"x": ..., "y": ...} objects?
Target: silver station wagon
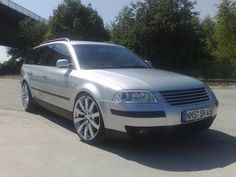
[{"x": 106, "y": 88}]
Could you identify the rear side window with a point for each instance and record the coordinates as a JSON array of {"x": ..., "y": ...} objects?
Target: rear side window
[
  {"x": 48, "y": 55},
  {"x": 32, "y": 57},
  {"x": 45, "y": 56}
]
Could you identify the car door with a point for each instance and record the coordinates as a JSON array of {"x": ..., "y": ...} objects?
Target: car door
[
  {"x": 37, "y": 72},
  {"x": 57, "y": 80},
  {"x": 28, "y": 68}
]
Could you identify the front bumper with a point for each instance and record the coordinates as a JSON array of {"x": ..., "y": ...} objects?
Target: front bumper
[
  {"x": 122, "y": 117},
  {"x": 166, "y": 131}
]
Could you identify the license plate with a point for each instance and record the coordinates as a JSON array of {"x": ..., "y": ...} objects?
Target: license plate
[{"x": 193, "y": 115}]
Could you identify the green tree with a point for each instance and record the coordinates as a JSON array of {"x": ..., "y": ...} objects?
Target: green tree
[
  {"x": 167, "y": 31},
  {"x": 74, "y": 20},
  {"x": 31, "y": 33},
  {"x": 208, "y": 25},
  {"x": 225, "y": 36}
]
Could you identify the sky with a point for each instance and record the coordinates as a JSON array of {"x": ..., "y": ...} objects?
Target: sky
[{"x": 108, "y": 10}]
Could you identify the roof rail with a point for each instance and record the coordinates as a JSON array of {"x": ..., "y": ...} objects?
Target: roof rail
[
  {"x": 58, "y": 39},
  {"x": 110, "y": 42}
]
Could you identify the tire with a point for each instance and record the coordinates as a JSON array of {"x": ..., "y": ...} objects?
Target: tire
[
  {"x": 88, "y": 119},
  {"x": 26, "y": 98}
]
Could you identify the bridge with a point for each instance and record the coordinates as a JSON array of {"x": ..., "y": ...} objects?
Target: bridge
[{"x": 10, "y": 16}]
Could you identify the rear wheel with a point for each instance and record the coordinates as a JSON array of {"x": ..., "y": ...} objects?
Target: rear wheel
[
  {"x": 26, "y": 97},
  {"x": 88, "y": 120}
]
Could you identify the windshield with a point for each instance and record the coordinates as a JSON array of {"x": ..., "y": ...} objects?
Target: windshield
[{"x": 107, "y": 57}]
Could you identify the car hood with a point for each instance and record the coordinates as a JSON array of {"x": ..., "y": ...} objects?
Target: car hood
[{"x": 151, "y": 79}]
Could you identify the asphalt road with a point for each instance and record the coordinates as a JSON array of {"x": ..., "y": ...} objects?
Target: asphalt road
[{"x": 45, "y": 145}]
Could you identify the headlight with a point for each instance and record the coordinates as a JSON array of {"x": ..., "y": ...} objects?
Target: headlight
[{"x": 134, "y": 96}]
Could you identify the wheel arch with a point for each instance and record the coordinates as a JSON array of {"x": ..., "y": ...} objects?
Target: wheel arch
[{"x": 96, "y": 93}]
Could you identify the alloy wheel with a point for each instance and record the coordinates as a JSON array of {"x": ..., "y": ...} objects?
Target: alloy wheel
[
  {"x": 25, "y": 95},
  {"x": 87, "y": 118}
]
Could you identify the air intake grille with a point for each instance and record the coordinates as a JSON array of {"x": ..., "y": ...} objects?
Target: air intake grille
[{"x": 183, "y": 97}]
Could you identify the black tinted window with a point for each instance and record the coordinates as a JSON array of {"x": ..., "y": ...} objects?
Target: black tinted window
[
  {"x": 60, "y": 51},
  {"x": 32, "y": 57},
  {"x": 40, "y": 56},
  {"x": 48, "y": 55},
  {"x": 45, "y": 55}
]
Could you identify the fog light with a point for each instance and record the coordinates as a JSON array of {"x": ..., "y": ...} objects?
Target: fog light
[{"x": 143, "y": 132}]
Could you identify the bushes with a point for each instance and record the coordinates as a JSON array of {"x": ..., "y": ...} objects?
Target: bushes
[{"x": 10, "y": 67}]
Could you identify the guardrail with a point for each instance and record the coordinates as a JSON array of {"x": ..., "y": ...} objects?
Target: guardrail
[{"x": 22, "y": 10}]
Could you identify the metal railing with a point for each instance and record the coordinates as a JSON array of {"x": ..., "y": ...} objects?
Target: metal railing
[{"x": 22, "y": 10}]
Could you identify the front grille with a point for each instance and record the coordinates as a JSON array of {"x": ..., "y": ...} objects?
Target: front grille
[{"x": 183, "y": 97}]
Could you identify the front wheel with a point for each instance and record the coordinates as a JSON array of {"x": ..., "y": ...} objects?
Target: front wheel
[{"x": 88, "y": 120}]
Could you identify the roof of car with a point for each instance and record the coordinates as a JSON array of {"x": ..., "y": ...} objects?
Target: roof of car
[
  {"x": 91, "y": 43},
  {"x": 74, "y": 42}
]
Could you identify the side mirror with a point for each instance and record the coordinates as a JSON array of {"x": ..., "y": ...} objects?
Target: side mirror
[
  {"x": 148, "y": 62},
  {"x": 64, "y": 63}
]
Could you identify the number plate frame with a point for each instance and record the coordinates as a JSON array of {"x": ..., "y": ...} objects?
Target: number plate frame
[{"x": 196, "y": 114}]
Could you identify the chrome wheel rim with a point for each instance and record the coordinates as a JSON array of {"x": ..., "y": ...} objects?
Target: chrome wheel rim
[
  {"x": 86, "y": 118},
  {"x": 25, "y": 95}
]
